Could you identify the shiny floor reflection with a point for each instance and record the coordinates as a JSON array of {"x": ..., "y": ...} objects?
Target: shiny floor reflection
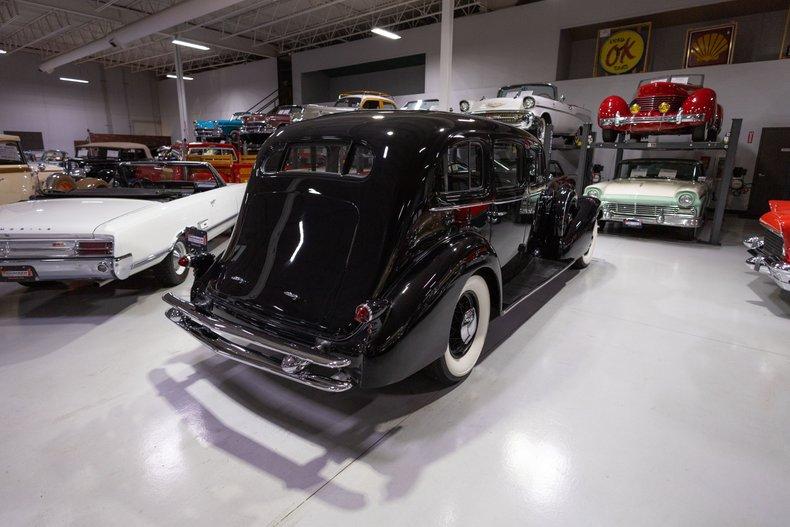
[{"x": 650, "y": 389}]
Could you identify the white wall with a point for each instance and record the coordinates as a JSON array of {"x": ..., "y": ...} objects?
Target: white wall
[
  {"x": 33, "y": 101},
  {"x": 218, "y": 93}
]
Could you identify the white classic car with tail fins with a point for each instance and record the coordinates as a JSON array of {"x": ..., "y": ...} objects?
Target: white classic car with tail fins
[
  {"x": 531, "y": 107},
  {"x": 97, "y": 230}
]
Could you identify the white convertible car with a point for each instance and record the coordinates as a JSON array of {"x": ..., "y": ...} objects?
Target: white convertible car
[
  {"x": 531, "y": 106},
  {"x": 91, "y": 229}
]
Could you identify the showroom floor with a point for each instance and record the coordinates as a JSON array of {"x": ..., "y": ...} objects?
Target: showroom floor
[{"x": 652, "y": 389}]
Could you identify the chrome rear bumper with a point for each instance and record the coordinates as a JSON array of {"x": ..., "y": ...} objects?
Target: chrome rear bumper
[
  {"x": 254, "y": 348},
  {"x": 99, "y": 269}
]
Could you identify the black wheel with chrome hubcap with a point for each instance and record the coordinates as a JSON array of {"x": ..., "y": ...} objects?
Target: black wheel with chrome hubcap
[{"x": 464, "y": 326}]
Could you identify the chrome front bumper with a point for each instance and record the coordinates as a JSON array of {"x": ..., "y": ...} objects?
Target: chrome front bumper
[
  {"x": 98, "y": 269},
  {"x": 763, "y": 263},
  {"x": 309, "y": 365},
  {"x": 209, "y": 134},
  {"x": 680, "y": 118},
  {"x": 262, "y": 129},
  {"x": 671, "y": 220}
]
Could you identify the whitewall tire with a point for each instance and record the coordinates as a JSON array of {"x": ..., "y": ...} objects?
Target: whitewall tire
[
  {"x": 467, "y": 334},
  {"x": 587, "y": 257}
]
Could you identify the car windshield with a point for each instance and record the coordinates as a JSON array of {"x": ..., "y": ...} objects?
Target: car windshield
[
  {"x": 105, "y": 153},
  {"x": 646, "y": 169},
  {"x": 522, "y": 90},
  {"x": 422, "y": 104},
  {"x": 691, "y": 80},
  {"x": 348, "y": 102},
  {"x": 168, "y": 175},
  {"x": 53, "y": 156},
  {"x": 10, "y": 154},
  {"x": 238, "y": 115}
]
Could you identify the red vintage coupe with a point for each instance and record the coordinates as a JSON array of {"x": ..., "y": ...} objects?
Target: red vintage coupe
[
  {"x": 676, "y": 104},
  {"x": 770, "y": 254},
  {"x": 257, "y": 127}
]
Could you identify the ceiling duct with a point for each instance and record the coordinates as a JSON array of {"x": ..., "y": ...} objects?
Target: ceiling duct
[{"x": 167, "y": 18}]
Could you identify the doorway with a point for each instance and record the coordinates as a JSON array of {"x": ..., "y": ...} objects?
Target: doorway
[{"x": 772, "y": 170}]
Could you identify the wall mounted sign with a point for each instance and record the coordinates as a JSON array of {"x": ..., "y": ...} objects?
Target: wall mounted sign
[
  {"x": 623, "y": 49},
  {"x": 709, "y": 46}
]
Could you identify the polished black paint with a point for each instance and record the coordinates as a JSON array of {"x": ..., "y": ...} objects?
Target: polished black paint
[{"x": 309, "y": 247}]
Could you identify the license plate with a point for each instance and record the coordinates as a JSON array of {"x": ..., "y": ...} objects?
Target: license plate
[
  {"x": 633, "y": 223},
  {"x": 197, "y": 240},
  {"x": 17, "y": 273}
]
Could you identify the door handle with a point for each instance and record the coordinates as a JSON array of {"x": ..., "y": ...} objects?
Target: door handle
[{"x": 760, "y": 174}]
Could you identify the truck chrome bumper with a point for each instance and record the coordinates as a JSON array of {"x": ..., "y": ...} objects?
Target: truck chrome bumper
[
  {"x": 290, "y": 360},
  {"x": 99, "y": 269}
]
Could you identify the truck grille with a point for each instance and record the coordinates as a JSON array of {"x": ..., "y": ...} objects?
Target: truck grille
[
  {"x": 650, "y": 104},
  {"x": 639, "y": 210},
  {"x": 773, "y": 244},
  {"x": 504, "y": 117}
]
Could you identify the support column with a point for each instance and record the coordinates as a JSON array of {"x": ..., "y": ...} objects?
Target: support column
[
  {"x": 182, "y": 100},
  {"x": 446, "y": 54},
  {"x": 726, "y": 179}
]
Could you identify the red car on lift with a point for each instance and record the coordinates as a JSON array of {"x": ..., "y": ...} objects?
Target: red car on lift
[
  {"x": 675, "y": 104},
  {"x": 225, "y": 157},
  {"x": 770, "y": 253}
]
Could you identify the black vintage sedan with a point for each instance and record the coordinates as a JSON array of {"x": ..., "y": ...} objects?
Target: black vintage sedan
[{"x": 372, "y": 245}]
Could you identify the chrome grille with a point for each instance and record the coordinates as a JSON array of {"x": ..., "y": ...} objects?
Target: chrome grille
[
  {"x": 504, "y": 117},
  {"x": 649, "y": 104},
  {"x": 639, "y": 210},
  {"x": 773, "y": 244}
]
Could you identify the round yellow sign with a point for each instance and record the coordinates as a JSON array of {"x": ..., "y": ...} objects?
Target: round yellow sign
[{"x": 621, "y": 52}]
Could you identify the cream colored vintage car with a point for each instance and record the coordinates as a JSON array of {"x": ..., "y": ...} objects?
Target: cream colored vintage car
[
  {"x": 17, "y": 181},
  {"x": 672, "y": 192},
  {"x": 348, "y": 102}
]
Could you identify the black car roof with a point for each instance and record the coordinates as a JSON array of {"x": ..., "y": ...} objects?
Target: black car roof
[{"x": 396, "y": 127}]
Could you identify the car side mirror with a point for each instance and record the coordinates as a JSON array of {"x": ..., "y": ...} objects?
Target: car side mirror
[{"x": 562, "y": 97}]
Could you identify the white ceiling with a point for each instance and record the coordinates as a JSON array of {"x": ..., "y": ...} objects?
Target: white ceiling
[{"x": 249, "y": 30}]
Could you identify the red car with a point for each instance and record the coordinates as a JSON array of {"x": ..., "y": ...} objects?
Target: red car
[
  {"x": 257, "y": 127},
  {"x": 770, "y": 254},
  {"x": 677, "y": 104},
  {"x": 225, "y": 157}
]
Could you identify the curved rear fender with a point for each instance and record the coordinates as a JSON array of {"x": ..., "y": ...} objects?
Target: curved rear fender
[
  {"x": 701, "y": 101},
  {"x": 415, "y": 326}
]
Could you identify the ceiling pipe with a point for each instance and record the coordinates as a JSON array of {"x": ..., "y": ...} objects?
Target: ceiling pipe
[{"x": 167, "y": 18}]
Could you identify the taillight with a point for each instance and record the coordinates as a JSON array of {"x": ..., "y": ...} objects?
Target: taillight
[
  {"x": 94, "y": 248},
  {"x": 363, "y": 313}
]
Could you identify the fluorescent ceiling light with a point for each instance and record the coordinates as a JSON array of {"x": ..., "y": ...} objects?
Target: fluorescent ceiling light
[
  {"x": 171, "y": 76},
  {"x": 3, "y": 52},
  {"x": 190, "y": 44},
  {"x": 69, "y": 79},
  {"x": 385, "y": 33}
]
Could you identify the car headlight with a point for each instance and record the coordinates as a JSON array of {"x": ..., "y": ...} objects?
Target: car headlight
[
  {"x": 686, "y": 200},
  {"x": 529, "y": 102},
  {"x": 593, "y": 192},
  {"x": 464, "y": 106}
]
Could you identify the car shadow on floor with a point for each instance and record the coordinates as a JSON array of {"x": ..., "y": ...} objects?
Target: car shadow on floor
[
  {"x": 772, "y": 297},
  {"x": 345, "y": 426}
]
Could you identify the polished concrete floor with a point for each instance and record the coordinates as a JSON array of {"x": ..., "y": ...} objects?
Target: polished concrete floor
[{"x": 652, "y": 388}]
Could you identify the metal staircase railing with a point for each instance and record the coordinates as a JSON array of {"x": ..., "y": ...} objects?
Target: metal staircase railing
[{"x": 265, "y": 103}]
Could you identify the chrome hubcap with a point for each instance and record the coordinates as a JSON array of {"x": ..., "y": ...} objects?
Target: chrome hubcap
[
  {"x": 469, "y": 325},
  {"x": 464, "y": 325}
]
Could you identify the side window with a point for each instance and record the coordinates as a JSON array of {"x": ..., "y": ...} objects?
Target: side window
[
  {"x": 362, "y": 162},
  {"x": 370, "y": 104},
  {"x": 508, "y": 159},
  {"x": 462, "y": 168},
  {"x": 389, "y": 106},
  {"x": 315, "y": 158}
]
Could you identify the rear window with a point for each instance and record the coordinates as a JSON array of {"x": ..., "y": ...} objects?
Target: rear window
[{"x": 340, "y": 159}]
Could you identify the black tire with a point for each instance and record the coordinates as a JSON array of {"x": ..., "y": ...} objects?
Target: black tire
[
  {"x": 609, "y": 136},
  {"x": 235, "y": 137},
  {"x": 467, "y": 333},
  {"x": 699, "y": 134},
  {"x": 168, "y": 272},
  {"x": 44, "y": 284}
]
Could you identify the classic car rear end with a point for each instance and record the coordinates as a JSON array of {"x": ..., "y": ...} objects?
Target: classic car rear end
[
  {"x": 370, "y": 246},
  {"x": 770, "y": 252}
]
